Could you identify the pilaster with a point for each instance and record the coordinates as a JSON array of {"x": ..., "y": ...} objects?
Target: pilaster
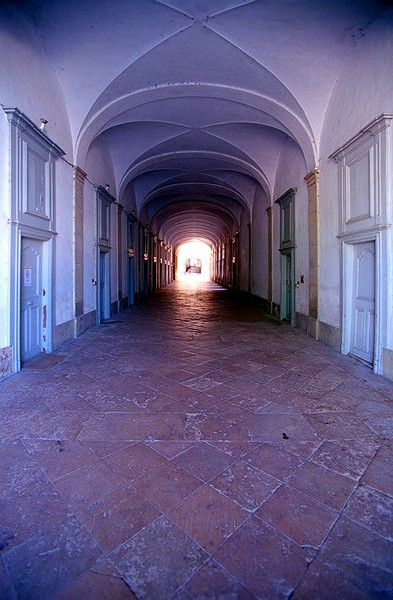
[
  {"x": 120, "y": 250},
  {"x": 269, "y": 212},
  {"x": 312, "y": 180},
  {"x": 79, "y": 180}
]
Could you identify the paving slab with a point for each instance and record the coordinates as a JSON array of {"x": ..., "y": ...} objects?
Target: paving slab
[{"x": 195, "y": 447}]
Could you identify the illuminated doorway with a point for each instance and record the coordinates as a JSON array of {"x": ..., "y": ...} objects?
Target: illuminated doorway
[{"x": 193, "y": 261}]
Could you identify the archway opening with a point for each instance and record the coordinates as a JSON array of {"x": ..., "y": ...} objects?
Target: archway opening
[{"x": 193, "y": 261}]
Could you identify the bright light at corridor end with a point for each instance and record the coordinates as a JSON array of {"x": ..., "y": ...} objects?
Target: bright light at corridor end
[{"x": 186, "y": 254}]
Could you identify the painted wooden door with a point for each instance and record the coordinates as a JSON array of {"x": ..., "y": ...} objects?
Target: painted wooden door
[
  {"x": 104, "y": 286},
  {"x": 363, "y": 302},
  {"x": 31, "y": 299},
  {"x": 288, "y": 287},
  {"x": 131, "y": 279}
]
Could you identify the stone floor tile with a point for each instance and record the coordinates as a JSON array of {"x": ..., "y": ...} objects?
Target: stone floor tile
[
  {"x": 158, "y": 560},
  {"x": 125, "y": 426},
  {"x": 274, "y": 460},
  {"x": 284, "y": 407},
  {"x": 267, "y": 563},
  {"x": 245, "y": 484},
  {"x": 203, "y": 460},
  {"x": 298, "y": 516},
  {"x": 116, "y": 517},
  {"x": 200, "y": 403},
  {"x": 14, "y": 421},
  {"x": 326, "y": 403},
  {"x": 59, "y": 457},
  {"x": 102, "y": 449},
  {"x": 180, "y": 375},
  {"x": 208, "y": 517},
  {"x": 350, "y": 457},
  {"x": 221, "y": 392},
  {"x": 380, "y": 423},
  {"x": 239, "y": 383},
  {"x": 267, "y": 373},
  {"x": 28, "y": 501},
  {"x": 362, "y": 557},
  {"x": 235, "y": 449},
  {"x": 171, "y": 449},
  {"x": 200, "y": 383},
  {"x": 379, "y": 475},
  {"x": 212, "y": 582},
  {"x": 325, "y": 584},
  {"x": 53, "y": 424},
  {"x": 377, "y": 404},
  {"x": 301, "y": 449},
  {"x": 322, "y": 484},
  {"x": 179, "y": 391},
  {"x": 340, "y": 426},
  {"x": 96, "y": 586},
  {"x": 274, "y": 428},
  {"x": 167, "y": 485},
  {"x": 6, "y": 589},
  {"x": 45, "y": 565},
  {"x": 372, "y": 509},
  {"x": 121, "y": 387},
  {"x": 231, "y": 426},
  {"x": 79, "y": 489},
  {"x": 385, "y": 452},
  {"x": 134, "y": 461},
  {"x": 249, "y": 400}
]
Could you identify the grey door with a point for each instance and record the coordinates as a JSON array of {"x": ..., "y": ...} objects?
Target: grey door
[{"x": 31, "y": 299}]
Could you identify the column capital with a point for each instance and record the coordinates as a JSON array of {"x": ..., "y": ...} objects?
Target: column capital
[
  {"x": 312, "y": 177},
  {"x": 79, "y": 174}
]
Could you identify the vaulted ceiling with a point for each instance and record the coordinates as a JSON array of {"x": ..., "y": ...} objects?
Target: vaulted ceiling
[{"x": 195, "y": 99}]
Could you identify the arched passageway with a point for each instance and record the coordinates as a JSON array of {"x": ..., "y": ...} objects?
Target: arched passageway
[
  {"x": 195, "y": 448},
  {"x": 203, "y": 430},
  {"x": 129, "y": 132}
]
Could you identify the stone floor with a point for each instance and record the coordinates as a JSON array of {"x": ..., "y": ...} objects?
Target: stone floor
[{"x": 194, "y": 448}]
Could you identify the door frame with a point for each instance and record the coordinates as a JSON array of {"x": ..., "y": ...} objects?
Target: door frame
[
  {"x": 19, "y": 232},
  {"x": 25, "y": 137},
  {"x": 107, "y": 307},
  {"x": 381, "y": 237},
  {"x": 287, "y": 248},
  {"x": 285, "y": 255}
]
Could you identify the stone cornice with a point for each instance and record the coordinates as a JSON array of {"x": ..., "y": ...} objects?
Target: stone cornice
[
  {"x": 22, "y": 122},
  {"x": 375, "y": 126}
]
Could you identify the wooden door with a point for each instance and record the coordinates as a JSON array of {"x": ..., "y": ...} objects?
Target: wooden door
[
  {"x": 31, "y": 299},
  {"x": 363, "y": 302}
]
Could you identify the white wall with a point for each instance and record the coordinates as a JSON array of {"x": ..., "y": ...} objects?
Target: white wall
[
  {"x": 244, "y": 253},
  {"x": 29, "y": 82},
  {"x": 5, "y": 234},
  {"x": 89, "y": 247},
  {"x": 291, "y": 170},
  {"x": 260, "y": 269},
  {"x": 363, "y": 91},
  {"x": 99, "y": 169}
]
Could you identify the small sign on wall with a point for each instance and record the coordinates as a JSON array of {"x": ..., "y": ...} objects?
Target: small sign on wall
[{"x": 27, "y": 271}]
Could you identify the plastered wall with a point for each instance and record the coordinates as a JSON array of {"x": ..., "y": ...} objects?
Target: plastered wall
[{"x": 362, "y": 92}]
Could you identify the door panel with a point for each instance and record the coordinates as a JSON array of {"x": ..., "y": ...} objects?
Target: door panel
[
  {"x": 31, "y": 298},
  {"x": 288, "y": 288},
  {"x": 104, "y": 286},
  {"x": 363, "y": 302},
  {"x": 131, "y": 275}
]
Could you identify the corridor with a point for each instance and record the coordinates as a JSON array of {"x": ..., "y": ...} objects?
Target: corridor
[{"x": 193, "y": 447}]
